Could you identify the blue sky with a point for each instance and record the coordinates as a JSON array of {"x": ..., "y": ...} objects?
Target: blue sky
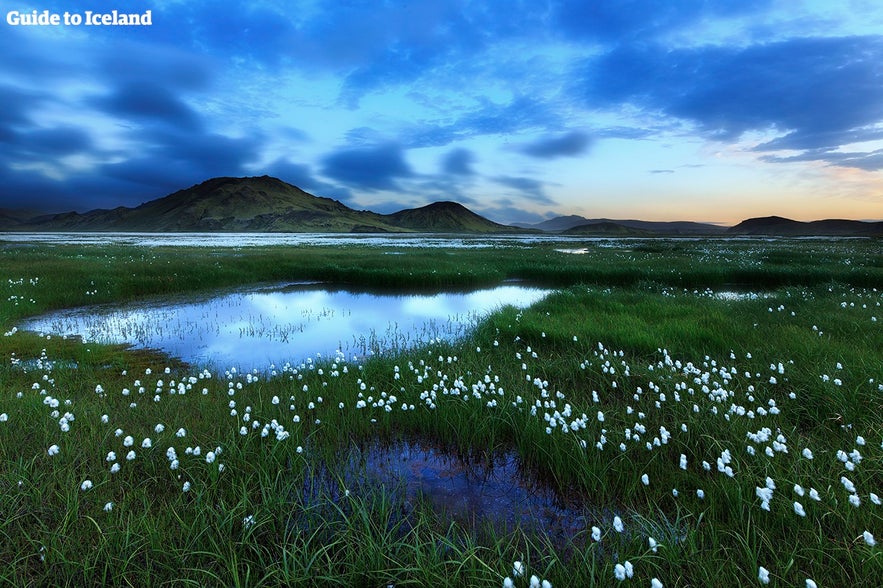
[{"x": 690, "y": 110}]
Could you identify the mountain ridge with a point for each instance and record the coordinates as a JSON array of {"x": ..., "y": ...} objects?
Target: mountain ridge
[{"x": 268, "y": 204}]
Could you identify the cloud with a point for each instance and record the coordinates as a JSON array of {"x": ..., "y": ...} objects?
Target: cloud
[
  {"x": 529, "y": 187},
  {"x": 149, "y": 103},
  {"x": 459, "y": 162},
  {"x": 301, "y": 175},
  {"x": 368, "y": 168},
  {"x": 567, "y": 145},
  {"x": 662, "y": 171},
  {"x": 868, "y": 161},
  {"x": 522, "y": 113},
  {"x": 641, "y": 19},
  {"x": 818, "y": 90}
]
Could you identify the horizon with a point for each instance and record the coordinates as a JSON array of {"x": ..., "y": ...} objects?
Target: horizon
[{"x": 678, "y": 112}]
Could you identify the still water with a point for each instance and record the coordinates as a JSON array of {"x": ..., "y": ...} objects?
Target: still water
[{"x": 285, "y": 324}]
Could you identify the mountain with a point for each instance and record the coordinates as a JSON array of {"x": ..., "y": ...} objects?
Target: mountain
[
  {"x": 260, "y": 204},
  {"x": 564, "y": 223},
  {"x": 606, "y": 229},
  {"x": 779, "y": 226},
  {"x": 445, "y": 217}
]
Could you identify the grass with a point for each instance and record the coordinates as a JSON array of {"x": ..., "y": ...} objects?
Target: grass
[{"x": 632, "y": 334}]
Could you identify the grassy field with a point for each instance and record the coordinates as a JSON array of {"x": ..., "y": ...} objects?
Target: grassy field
[{"x": 706, "y": 440}]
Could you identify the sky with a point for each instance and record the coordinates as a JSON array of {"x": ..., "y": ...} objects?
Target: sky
[{"x": 701, "y": 110}]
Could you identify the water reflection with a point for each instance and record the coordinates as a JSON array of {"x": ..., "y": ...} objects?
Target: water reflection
[{"x": 285, "y": 324}]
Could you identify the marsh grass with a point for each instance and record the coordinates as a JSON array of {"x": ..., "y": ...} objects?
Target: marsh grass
[{"x": 267, "y": 518}]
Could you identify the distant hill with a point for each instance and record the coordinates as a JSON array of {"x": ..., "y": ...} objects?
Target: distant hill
[
  {"x": 258, "y": 204},
  {"x": 607, "y": 229},
  {"x": 779, "y": 226},
  {"x": 445, "y": 217},
  {"x": 564, "y": 223}
]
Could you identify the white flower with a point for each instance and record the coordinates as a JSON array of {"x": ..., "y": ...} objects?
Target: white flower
[
  {"x": 114, "y": 468},
  {"x": 210, "y": 457},
  {"x": 104, "y": 419},
  {"x": 507, "y": 582},
  {"x": 617, "y": 524},
  {"x": 130, "y": 456},
  {"x": 128, "y": 441},
  {"x": 810, "y": 584},
  {"x": 619, "y": 572},
  {"x": 807, "y": 453},
  {"x": 186, "y": 487},
  {"x": 108, "y": 507},
  {"x": 629, "y": 569},
  {"x": 854, "y": 500},
  {"x": 53, "y": 450},
  {"x": 534, "y": 582},
  {"x": 763, "y": 575},
  {"x": 869, "y": 539},
  {"x": 874, "y": 498},
  {"x": 700, "y": 493},
  {"x": 159, "y": 428},
  {"x": 654, "y": 546},
  {"x": 814, "y": 494},
  {"x": 86, "y": 485},
  {"x": 798, "y": 509},
  {"x": 645, "y": 479},
  {"x": 146, "y": 443},
  {"x": 655, "y": 583},
  {"x": 181, "y": 432},
  {"x": 248, "y": 521},
  {"x": 517, "y": 569},
  {"x": 111, "y": 456},
  {"x": 596, "y": 534}
]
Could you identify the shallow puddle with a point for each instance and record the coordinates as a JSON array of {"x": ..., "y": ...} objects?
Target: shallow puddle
[
  {"x": 287, "y": 324},
  {"x": 473, "y": 491}
]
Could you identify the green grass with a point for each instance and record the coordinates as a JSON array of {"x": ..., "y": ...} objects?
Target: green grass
[{"x": 256, "y": 523}]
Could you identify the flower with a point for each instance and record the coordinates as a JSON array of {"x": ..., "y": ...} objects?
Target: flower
[
  {"x": 619, "y": 572},
  {"x": 86, "y": 485},
  {"x": 596, "y": 534},
  {"x": 146, "y": 443},
  {"x": 617, "y": 524},
  {"x": 763, "y": 575},
  {"x": 128, "y": 441},
  {"x": 159, "y": 428},
  {"x": 517, "y": 569},
  {"x": 114, "y": 468},
  {"x": 186, "y": 487},
  {"x": 645, "y": 479},
  {"x": 53, "y": 450},
  {"x": 248, "y": 522},
  {"x": 108, "y": 507},
  {"x": 810, "y": 584},
  {"x": 655, "y": 583},
  {"x": 798, "y": 509},
  {"x": 534, "y": 582},
  {"x": 869, "y": 539}
]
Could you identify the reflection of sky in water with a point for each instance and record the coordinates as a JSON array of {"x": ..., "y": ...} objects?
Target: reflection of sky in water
[{"x": 256, "y": 329}]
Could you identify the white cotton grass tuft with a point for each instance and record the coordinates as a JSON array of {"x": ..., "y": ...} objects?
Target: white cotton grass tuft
[
  {"x": 869, "y": 538},
  {"x": 763, "y": 575}
]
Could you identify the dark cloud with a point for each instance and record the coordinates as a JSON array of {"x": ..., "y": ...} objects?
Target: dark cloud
[
  {"x": 302, "y": 176},
  {"x": 458, "y": 162},
  {"x": 529, "y": 187},
  {"x": 567, "y": 145},
  {"x": 150, "y": 104},
  {"x": 818, "y": 90},
  {"x": 368, "y": 168},
  {"x": 41, "y": 144},
  {"x": 641, "y": 19}
]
